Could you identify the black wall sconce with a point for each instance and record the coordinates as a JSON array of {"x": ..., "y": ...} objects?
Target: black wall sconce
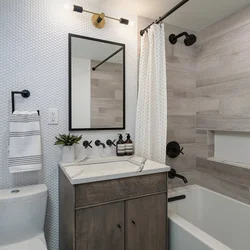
[{"x": 98, "y": 19}]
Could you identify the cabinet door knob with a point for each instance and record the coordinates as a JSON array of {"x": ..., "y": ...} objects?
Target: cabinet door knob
[
  {"x": 133, "y": 222},
  {"x": 119, "y": 226}
]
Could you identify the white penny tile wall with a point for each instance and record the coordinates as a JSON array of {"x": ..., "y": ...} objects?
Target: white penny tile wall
[{"x": 34, "y": 56}]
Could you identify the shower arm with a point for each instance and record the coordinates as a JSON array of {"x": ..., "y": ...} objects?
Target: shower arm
[{"x": 182, "y": 34}]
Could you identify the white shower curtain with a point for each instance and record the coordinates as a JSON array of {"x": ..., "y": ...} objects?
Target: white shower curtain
[{"x": 151, "y": 117}]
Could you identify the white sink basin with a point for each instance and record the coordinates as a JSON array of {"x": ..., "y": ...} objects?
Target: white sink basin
[{"x": 110, "y": 168}]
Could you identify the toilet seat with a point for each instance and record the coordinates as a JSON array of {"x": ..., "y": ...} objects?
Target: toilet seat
[{"x": 34, "y": 244}]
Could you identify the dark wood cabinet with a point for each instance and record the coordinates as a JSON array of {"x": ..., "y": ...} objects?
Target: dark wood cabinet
[
  {"x": 100, "y": 228},
  {"x": 146, "y": 223},
  {"x": 120, "y": 214}
]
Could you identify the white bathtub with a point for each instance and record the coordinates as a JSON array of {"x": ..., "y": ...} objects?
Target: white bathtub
[{"x": 206, "y": 220}]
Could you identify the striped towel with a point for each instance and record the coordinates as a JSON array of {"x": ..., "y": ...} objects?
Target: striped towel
[{"x": 25, "y": 152}]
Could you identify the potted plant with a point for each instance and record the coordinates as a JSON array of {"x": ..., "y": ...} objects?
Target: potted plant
[{"x": 68, "y": 149}]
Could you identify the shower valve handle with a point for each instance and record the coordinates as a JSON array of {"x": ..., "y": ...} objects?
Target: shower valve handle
[{"x": 181, "y": 150}]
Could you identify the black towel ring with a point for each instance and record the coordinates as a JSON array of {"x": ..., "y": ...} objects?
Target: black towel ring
[{"x": 25, "y": 94}]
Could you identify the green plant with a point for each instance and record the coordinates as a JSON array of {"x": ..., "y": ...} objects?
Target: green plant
[{"x": 67, "y": 140}]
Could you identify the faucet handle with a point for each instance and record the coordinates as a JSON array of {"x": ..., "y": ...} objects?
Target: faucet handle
[
  {"x": 173, "y": 149},
  {"x": 87, "y": 144},
  {"x": 110, "y": 143}
]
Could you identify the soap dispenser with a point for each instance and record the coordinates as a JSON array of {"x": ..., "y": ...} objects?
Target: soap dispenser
[
  {"x": 120, "y": 146},
  {"x": 129, "y": 146}
]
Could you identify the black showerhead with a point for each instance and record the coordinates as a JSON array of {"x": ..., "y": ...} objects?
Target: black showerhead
[{"x": 188, "y": 41}]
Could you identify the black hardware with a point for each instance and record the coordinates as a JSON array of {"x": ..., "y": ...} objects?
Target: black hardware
[
  {"x": 99, "y": 19},
  {"x": 77, "y": 8},
  {"x": 164, "y": 16},
  {"x": 173, "y": 149},
  {"x": 80, "y": 9},
  {"x": 71, "y": 128},
  {"x": 110, "y": 143},
  {"x": 177, "y": 198},
  {"x": 133, "y": 222},
  {"x": 87, "y": 144},
  {"x": 119, "y": 226},
  {"x": 189, "y": 40},
  {"x": 99, "y": 143},
  {"x": 172, "y": 174},
  {"x": 98, "y": 65},
  {"x": 25, "y": 94},
  {"x": 124, "y": 21},
  {"x": 15, "y": 191}
]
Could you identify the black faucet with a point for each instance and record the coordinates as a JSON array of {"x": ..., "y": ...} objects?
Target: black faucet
[
  {"x": 172, "y": 174},
  {"x": 99, "y": 143}
]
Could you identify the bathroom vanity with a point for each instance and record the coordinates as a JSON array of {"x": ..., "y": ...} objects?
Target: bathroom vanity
[{"x": 119, "y": 209}]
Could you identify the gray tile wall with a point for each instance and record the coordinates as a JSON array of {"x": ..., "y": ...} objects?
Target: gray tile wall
[
  {"x": 223, "y": 78},
  {"x": 213, "y": 95},
  {"x": 107, "y": 95}
]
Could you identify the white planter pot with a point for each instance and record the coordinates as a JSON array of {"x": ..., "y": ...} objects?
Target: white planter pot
[{"x": 68, "y": 154}]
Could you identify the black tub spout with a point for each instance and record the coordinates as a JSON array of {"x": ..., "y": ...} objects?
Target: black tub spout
[{"x": 172, "y": 174}]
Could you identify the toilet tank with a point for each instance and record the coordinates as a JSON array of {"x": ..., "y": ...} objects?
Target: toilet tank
[{"x": 22, "y": 213}]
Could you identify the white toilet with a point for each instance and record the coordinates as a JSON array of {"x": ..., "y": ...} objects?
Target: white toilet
[{"x": 22, "y": 216}]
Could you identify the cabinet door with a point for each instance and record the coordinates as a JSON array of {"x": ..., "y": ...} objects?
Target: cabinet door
[
  {"x": 100, "y": 228},
  {"x": 146, "y": 223}
]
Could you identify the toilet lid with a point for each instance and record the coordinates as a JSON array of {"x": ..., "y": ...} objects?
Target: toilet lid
[{"x": 35, "y": 244}]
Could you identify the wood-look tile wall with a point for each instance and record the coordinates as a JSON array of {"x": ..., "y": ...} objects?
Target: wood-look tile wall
[
  {"x": 181, "y": 104},
  {"x": 107, "y": 95},
  {"x": 214, "y": 95},
  {"x": 223, "y": 79}
]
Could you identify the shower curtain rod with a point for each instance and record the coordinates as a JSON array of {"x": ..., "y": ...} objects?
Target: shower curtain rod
[
  {"x": 164, "y": 16},
  {"x": 105, "y": 60}
]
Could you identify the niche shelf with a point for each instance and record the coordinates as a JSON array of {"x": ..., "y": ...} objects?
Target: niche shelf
[
  {"x": 229, "y": 147},
  {"x": 235, "y": 164}
]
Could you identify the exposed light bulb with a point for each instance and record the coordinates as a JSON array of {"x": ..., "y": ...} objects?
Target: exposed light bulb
[
  {"x": 68, "y": 6},
  {"x": 131, "y": 23}
]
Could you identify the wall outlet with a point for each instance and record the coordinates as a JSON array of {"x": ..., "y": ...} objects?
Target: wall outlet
[{"x": 53, "y": 116}]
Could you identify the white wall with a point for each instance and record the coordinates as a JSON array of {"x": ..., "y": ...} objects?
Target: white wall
[
  {"x": 34, "y": 56},
  {"x": 81, "y": 92}
]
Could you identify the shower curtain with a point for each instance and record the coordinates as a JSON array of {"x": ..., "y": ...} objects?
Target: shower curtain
[{"x": 151, "y": 116}]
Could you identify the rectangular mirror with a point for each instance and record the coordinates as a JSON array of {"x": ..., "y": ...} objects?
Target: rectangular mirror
[{"x": 96, "y": 84}]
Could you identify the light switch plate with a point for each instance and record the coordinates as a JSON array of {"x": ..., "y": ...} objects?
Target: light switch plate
[{"x": 53, "y": 116}]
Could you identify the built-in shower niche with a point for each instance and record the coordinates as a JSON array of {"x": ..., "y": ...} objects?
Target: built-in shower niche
[{"x": 232, "y": 148}]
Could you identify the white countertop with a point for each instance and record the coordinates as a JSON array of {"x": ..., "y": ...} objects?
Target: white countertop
[{"x": 101, "y": 169}]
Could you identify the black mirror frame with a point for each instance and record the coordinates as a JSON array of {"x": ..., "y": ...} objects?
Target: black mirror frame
[{"x": 70, "y": 83}]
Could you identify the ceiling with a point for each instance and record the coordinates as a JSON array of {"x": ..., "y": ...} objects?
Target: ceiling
[{"x": 194, "y": 15}]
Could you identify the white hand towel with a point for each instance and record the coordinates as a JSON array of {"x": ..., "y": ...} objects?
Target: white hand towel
[{"x": 25, "y": 153}]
